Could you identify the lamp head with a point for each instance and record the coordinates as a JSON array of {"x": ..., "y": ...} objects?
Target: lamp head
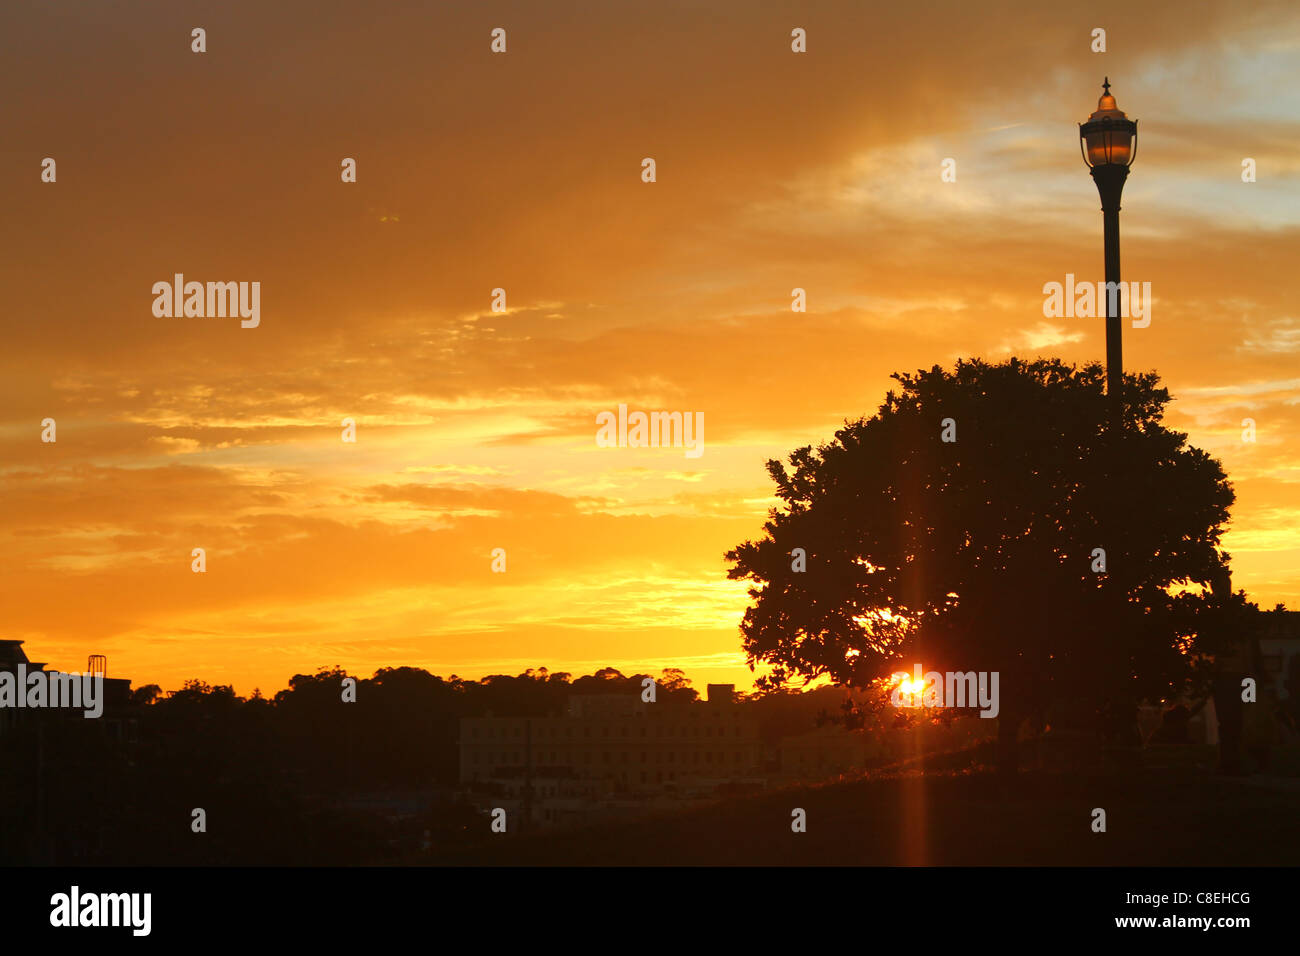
[{"x": 1109, "y": 138}]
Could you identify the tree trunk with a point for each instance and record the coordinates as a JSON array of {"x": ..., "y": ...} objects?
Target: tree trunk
[
  {"x": 1228, "y": 709},
  {"x": 1008, "y": 746}
]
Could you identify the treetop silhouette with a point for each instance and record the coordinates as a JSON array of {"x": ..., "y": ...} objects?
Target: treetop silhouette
[{"x": 959, "y": 525}]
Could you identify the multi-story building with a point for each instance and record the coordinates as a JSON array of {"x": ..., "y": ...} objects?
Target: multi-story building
[
  {"x": 824, "y": 751},
  {"x": 44, "y": 747},
  {"x": 116, "y": 721},
  {"x": 1279, "y": 656},
  {"x": 609, "y": 746}
]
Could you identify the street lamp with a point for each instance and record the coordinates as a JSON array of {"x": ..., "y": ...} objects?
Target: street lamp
[{"x": 1108, "y": 142}]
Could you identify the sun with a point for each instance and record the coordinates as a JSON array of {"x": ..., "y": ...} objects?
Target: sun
[{"x": 910, "y": 686}]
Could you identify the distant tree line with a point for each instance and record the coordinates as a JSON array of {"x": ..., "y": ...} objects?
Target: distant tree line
[{"x": 270, "y": 772}]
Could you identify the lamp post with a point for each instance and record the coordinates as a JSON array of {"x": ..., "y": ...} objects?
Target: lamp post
[{"x": 1108, "y": 142}]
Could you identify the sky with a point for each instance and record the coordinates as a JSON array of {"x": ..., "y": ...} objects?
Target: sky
[{"x": 475, "y": 429}]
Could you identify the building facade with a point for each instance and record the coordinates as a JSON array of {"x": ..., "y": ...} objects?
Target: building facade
[{"x": 613, "y": 744}]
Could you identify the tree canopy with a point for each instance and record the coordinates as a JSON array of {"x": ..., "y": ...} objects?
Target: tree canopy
[{"x": 958, "y": 525}]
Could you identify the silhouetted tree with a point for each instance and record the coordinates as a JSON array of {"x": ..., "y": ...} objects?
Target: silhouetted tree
[
  {"x": 146, "y": 695},
  {"x": 978, "y": 553}
]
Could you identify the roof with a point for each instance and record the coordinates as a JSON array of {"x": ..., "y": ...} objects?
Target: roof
[{"x": 11, "y": 653}]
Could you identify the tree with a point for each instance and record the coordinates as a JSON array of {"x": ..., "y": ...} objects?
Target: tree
[
  {"x": 969, "y": 544},
  {"x": 146, "y": 695},
  {"x": 674, "y": 684}
]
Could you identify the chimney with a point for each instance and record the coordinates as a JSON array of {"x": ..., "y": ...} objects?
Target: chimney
[{"x": 720, "y": 693}]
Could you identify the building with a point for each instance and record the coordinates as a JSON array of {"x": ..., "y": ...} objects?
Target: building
[
  {"x": 822, "y": 752},
  {"x": 11, "y": 655},
  {"x": 117, "y": 720},
  {"x": 48, "y": 753},
  {"x": 1279, "y": 657},
  {"x": 607, "y": 750}
]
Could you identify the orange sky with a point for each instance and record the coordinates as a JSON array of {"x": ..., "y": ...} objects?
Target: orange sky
[{"x": 522, "y": 171}]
